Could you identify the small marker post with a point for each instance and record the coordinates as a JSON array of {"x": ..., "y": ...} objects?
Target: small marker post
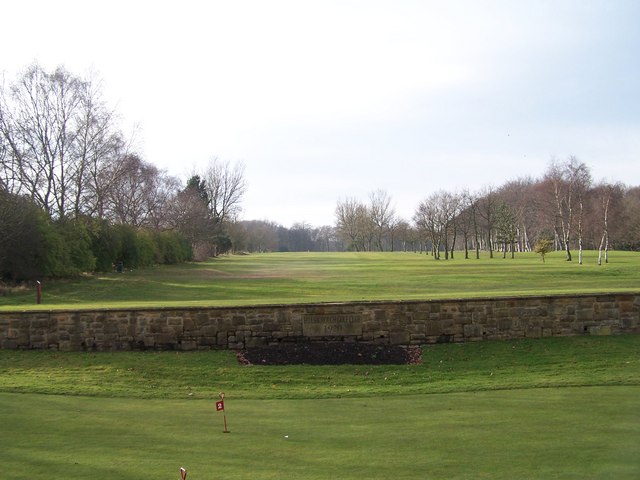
[{"x": 220, "y": 408}]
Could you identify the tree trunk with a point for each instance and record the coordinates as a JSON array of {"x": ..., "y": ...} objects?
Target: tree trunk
[{"x": 580, "y": 233}]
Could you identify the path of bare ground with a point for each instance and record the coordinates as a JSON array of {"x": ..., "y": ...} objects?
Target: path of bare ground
[{"x": 330, "y": 354}]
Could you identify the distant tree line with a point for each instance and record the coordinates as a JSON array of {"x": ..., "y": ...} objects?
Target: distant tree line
[
  {"x": 564, "y": 208},
  {"x": 261, "y": 236},
  {"x": 75, "y": 197}
]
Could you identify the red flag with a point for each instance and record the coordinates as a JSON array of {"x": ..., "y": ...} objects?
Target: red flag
[{"x": 220, "y": 406}]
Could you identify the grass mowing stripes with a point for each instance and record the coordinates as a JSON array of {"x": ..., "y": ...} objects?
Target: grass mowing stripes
[
  {"x": 131, "y": 415},
  {"x": 331, "y": 277},
  {"x": 567, "y": 433}
]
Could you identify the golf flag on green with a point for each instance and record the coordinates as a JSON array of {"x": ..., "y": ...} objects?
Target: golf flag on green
[{"x": 220, "y": 408}]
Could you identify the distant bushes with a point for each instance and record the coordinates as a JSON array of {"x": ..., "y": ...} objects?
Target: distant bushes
[
  {"x": 33, "y": 246},
  {"x": 130, "y": 247}
]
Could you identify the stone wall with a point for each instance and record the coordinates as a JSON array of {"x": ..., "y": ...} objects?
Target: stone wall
[{"x": 393, "y": 323}]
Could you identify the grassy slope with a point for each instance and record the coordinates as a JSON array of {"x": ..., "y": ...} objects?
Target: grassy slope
[
  {"x": 328, "y": 277},
  {"x": 550, "y": 362}
]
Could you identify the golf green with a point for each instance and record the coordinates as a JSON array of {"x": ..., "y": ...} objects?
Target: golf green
[{"x": 565, "y": 433}]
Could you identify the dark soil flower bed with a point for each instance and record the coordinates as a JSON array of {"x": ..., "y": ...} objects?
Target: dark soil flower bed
[{"x": 330, "y": 354}]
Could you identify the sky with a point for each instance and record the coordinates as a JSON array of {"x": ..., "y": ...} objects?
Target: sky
[{"x": 324, "y": 101}]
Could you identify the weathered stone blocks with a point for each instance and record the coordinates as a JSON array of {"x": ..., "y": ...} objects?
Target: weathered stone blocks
[{"x": 397, "y": 323}]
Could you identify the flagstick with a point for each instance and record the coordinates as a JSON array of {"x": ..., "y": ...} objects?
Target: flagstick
[{"x": 224, "y": 414}]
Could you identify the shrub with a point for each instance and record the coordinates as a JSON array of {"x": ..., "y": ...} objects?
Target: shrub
[{"x": 30, "y": 246}]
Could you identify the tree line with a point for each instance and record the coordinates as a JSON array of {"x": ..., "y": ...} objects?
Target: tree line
[
  {"x": 76, "y": 197},
  {"x": 564, "y": 209}
]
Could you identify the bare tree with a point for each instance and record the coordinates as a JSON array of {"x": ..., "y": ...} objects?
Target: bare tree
[
  {"x": 381, "y": 214},
  {"x": 520, "y": 196},
  {"x": 486, "y": 208},
  {"x": 8, "y": 181},
  {"x": 607, "y": 198},
  {"x": 261, "y": 236},
  {"x": 40, "y": 131},
  {"x": 604, "y": 242},
  {"x": 465, "y": 219},
  {"x": 326, "y": 239},
  {"x": 427, "y": 220},
  {"x": 225, "y": 186},
  {"x": 188, "y": 213},
  {"x": 627, "y": 224},
  {"x": 435, "y": 217},
  {"x": 139, "y": 193},
  {"x": 449, "y": 211},
  {"x": 351, "y": 223},
  {"x": 402, "y": 231},
  {"x": 506, "y": 227},
  {"x": 98, "y": 144},
  {"x": 569, "y": 181},
  {"x": 53, "y": 126}
]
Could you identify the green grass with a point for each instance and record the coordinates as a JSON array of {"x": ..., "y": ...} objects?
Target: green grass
[
  {"x": 335, "y": 277},
  {"x": 470, "y": 411},
  {"x": 576, "y": 433},
  {"x": 550, "y": 362},
  {"x": 554, "y": 408}
]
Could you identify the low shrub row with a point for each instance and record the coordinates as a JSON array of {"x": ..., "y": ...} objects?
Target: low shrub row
[{"x": 34, "y": 246}]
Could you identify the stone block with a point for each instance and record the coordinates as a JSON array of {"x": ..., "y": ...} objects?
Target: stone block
[
  {"x": 399, "y": 338},
  {"x": 207, "y": 341},
  {"x": 533, "y": 332},
  {"x": 12, "y": 333},
  {"x": 434, "y": 328},
  {"x": 600, "y": 330},
  {"x": 165, "y": 339},
  {"x": 175, "y": 321},
  {"x": 471, "y": 331},
  {"x": 252, "y": 342},
  {"x": 188, "y": 345}
]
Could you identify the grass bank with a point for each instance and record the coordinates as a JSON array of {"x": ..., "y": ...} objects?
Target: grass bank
[{"x": 447, "y": 368}]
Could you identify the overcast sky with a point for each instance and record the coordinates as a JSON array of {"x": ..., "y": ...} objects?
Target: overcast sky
[{"x": 325, "y": 100}]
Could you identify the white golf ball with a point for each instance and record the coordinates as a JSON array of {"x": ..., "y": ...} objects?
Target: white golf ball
[{"x": 286, "y": 436}]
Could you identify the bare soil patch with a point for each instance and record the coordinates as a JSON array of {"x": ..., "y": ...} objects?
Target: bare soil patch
[{"x": 332, "y": 353}]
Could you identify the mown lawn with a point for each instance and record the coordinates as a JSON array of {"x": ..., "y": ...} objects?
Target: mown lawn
[
  {"x": 554, "y": 408},
  {"x": 334, "y": 277},
  {"x": 551, "y": 433}
]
